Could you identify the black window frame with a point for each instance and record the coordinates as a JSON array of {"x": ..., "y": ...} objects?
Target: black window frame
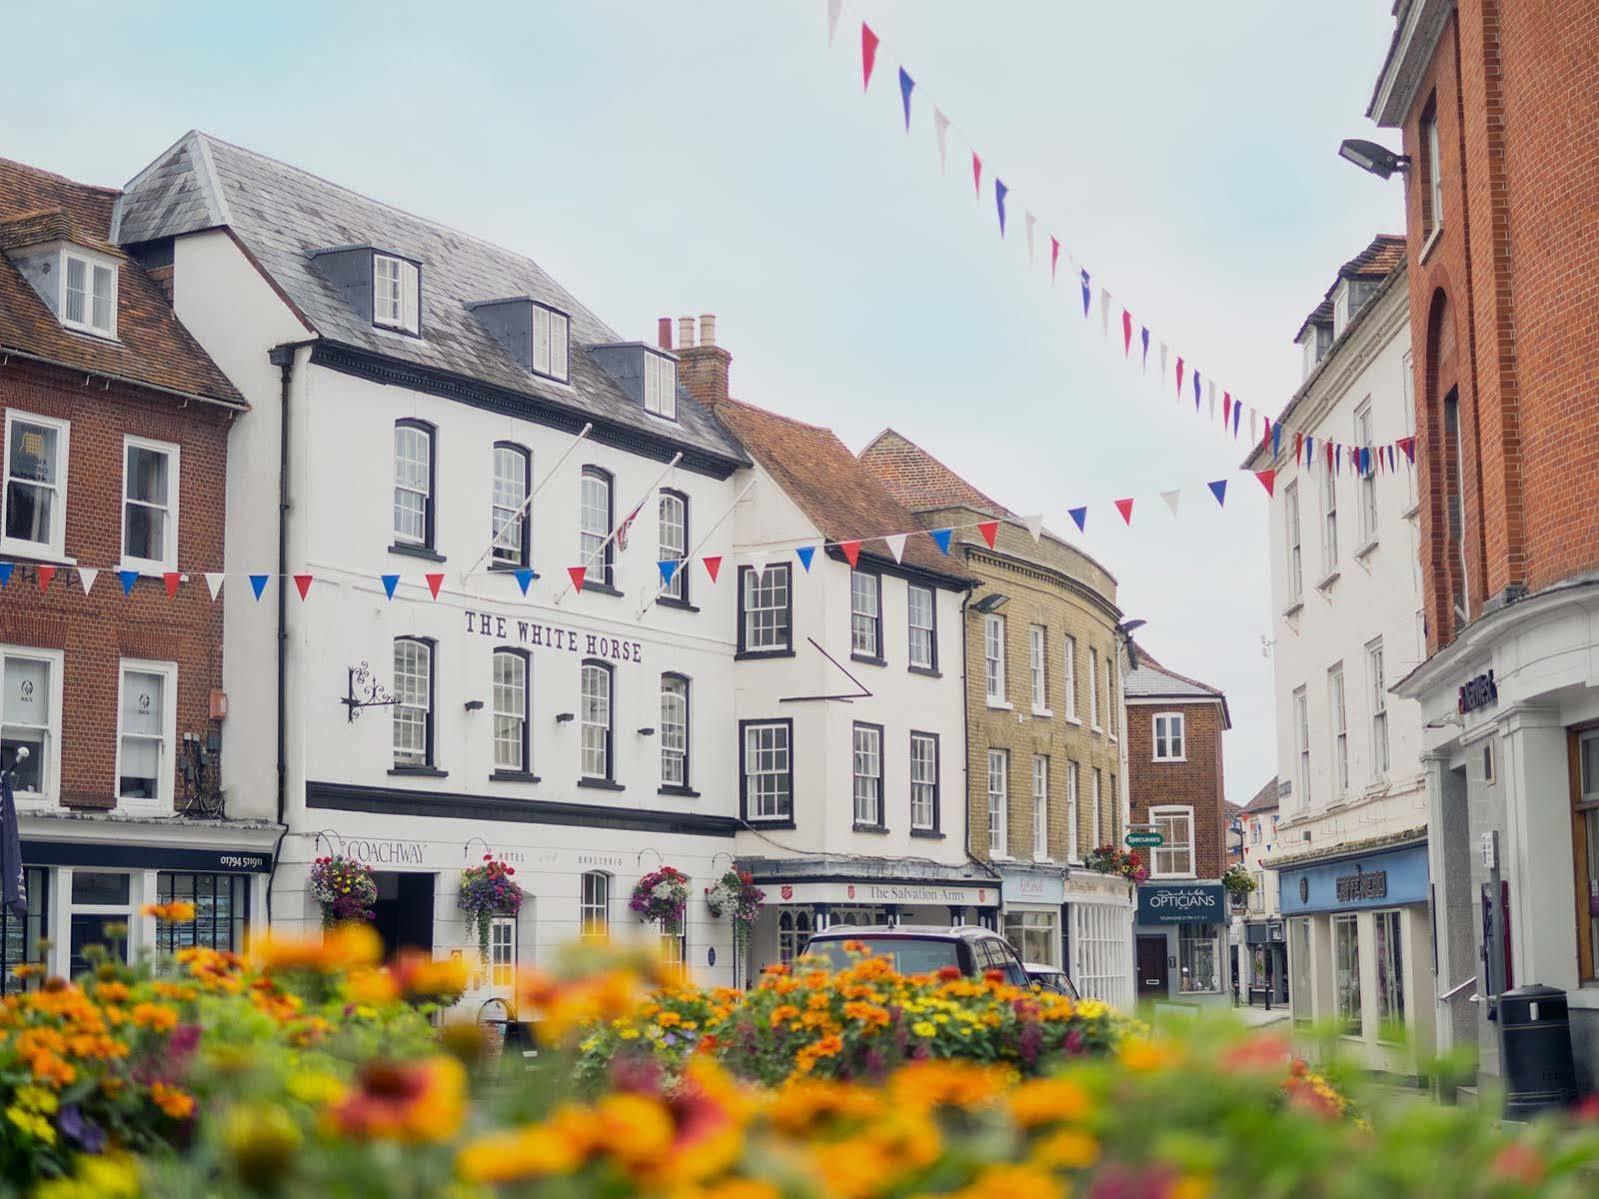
[
  {"x": 682, "y": 572},
  {"x": 524, "y": 773},
  {"x": 877, "y": 659},
  {"x": 238, "y": 885},
  {"x": 607, "y": 781},
  {"x": 686, "y": 787},
  {"x": 937, "y": 830},
  {"x": 38, "y": 909},
  {"x": 859, "y": 826},
  {"x": 428, "y": 547},
  {"x": 608, "y": 554},
  {"x": 932, "y": 592},
  {"x": 430, "y": 765},
  {"x": 525, "y": 548},
  {"x": 743, "y": 774},
  {"x": 787, "y": 651}
]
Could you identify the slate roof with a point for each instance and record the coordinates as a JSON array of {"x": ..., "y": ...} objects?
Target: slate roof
[
  {"x": 152, "y": 346},
  {"x": 1151, "y": 680},
  {"x": 1265, "y": 800},
  {"x": 282, "y": 214},
  {"x": 920, "y": 481},
  {"x": 836, "y": 492}
]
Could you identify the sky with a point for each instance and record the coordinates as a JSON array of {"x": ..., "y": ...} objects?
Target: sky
[{"x": 718, "y": 156}]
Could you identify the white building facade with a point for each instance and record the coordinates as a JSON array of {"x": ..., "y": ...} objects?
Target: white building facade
[
  {"x": 1348, "y": 870},
  {"x": 454, "y": 433}
]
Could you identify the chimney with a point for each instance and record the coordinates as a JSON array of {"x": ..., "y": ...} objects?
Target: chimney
[
  {"x": 161, "y": 276},
  {"x": 663, "y": 333},
  {"x": 702, "y": 369}
]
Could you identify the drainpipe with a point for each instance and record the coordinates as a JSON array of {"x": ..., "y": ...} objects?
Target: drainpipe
[{"x": 966, "y": 764}]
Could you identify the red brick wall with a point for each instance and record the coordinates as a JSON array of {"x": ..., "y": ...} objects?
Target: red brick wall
[
  {"x": 99, "y": 629},
  {"x": 1516, "y": 271},
  {"x": 1195, "y": 782}
]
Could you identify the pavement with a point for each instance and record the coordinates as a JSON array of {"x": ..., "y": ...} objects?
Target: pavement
[{"x": 1259, "y": 1017}]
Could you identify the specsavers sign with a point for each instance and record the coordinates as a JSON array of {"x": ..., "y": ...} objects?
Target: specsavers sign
[{"x": 1182, "y": 903}]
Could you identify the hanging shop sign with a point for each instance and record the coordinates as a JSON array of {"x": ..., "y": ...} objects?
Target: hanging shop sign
[
  {"x": 536, "y": 634},
  {"x": 1145, "y": 840},
  {"x": 1182, "y": 903},
  {"x": 1480, "y": 692}
]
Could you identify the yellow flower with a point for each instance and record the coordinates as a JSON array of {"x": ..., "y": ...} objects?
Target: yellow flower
[
  {"x": 318, "y": 1090},
  {"x": 1067, "y": 1149},
  {"x": 924, "y": 1028},
  {"x": 1047, "y": 1101},
  {"x": 261, "y": 1140},
  {"x": 533, "y": 1152},
  {"x": 33, "y": 1124}
]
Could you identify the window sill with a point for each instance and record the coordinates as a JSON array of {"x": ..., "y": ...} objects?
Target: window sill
[
  {"x": 1094, "y": 728},
  {"x": 768, "y": 824},
  {"x": 931, "y": 672},
  {"x": 1000, "y": 705},
  {"x": 871, "y": 828},
  {"x": 1164, "y": 761},
  {"x": 666, "y": 601},
  {"x": 1366, "y": 549},
  {"x": 513, "y": 776},
  {"x": 146, "y": 569},
  {"x": 1329, "y": 579},
  {"x": 26, "y": 552},
  {"x": 416, "y": 551},
  {"x": 1077, "y": 720},
  {"x": 420, "y": 772},
  {"x": 750, "y": 655},
  {"x": 1045, "y": 713},
  {"x": 510, "y": 568},
  {"x": 599, "y": 589},
  {"x": 1410, "y": 512},
  {"x": 600, "y": 784},
  {"x": 868, "y": 660},
  {"x": 1293, "y": 609},
  {"x": 1427, "y": 246},
  {"x": 680, "y": 792},
  {"x": 931, "y": 834}
]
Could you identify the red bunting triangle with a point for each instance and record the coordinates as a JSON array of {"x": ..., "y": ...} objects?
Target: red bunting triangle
[
  {"x": 868, "y": 54},
  {"x": 1054, "y": 256},
  {"x": 977, "y": 175},
  {"x": 45, "y": 573},
  {"x": 1125, "y": 507},
  {"x": 1299, "y": 446},
  {"x": 302, "y": 584},
  {"x": 1179, "y": 376},
  {"x": 172, "y": 578},
  {"x": 852, "y": 551},
  {"x": 713, "y": 565},
  {"x": 434, "y": 583},
  {"x": 990, "y": 530},
  {"x": 577, "y": 575},
  {"x": 1268, "y": 480},
  {"x": 1127, "y": 333}
]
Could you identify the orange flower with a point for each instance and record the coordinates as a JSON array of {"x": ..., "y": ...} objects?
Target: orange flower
[
  {"x": 421, "y": 976},
  {"x": 155, "y": 1016},
  {"x": 410, "y": 1102},
  {"x": 175, "y": 912},
  {"x": 175, "y": 1103}
]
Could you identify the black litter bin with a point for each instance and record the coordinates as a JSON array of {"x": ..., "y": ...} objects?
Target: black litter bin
[{"x": 1535, "y": 1051}]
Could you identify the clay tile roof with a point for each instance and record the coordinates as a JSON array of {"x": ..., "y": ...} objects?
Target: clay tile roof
[
  {"x": 1373, "y": 264},
  {"x": 835, "y": 491},
  {"x": 1265, "y": 800},
  {"x": 152, "y": 346},
  {"x": 920, "y": 481}
]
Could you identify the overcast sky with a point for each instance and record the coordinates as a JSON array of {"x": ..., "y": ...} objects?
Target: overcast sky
[{"x": 675, "y": 158}]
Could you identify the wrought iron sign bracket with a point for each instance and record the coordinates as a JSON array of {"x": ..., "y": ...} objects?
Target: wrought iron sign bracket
[{"x": 362, "y": 690}]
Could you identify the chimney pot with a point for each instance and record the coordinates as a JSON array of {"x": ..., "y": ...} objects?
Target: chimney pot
[
  {"x": 685, "y": 332},
  {"x": 663, "y": 332},
  {"x": 708, "y": 329}
]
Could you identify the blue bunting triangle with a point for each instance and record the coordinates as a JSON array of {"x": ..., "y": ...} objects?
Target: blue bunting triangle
[
  {"x": 668, "y": 569},
  {"x": 129, "y": 578},
  {"x": 1196, "y": 391},
  {"x": 1000, "y": 192},
  {"x": 805, "y": 553},
  {"x": 941, "y": 538},
  {"x": 258, "y": 584},
  {"x": 906, "y": 83},
  {"x": 1079, "y": 517},
  {"x": 1143, "y": 334},
  {"x": 1088, "y": 293},
  {"x": 390, "y": 582},
  {"x": 1219, "y": 490},
  {"x": 5, "y": 572},
  {"x": 523, "y": 578}
]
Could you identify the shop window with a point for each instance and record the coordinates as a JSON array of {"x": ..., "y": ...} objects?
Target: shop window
[
  {"x": 765, "y": 610},
  {"x": 1102, "y": 965},
  {"x": 1585, "y": 843},
  {"x": 595, "y": 719},
  {"x": 31, "y": 714},
  {"x": 502, "y": 951},
  {"x": 1299, "y": 997},
  {"x": 673, "y": 538},
  {"x": 794, "y": 928},
  {"x": 594, "y": 911},
  {"x": 1035, "y": 936},
  {"x": 1174, "y": 856},
  {"x": 510, "y": 710},
  {"x": 22, "y": 939},
  {"x": 149, "y": 505},
  {"x": 221, "y": 911},
  {"x": 145, "y": 733},
  {"x": 508, "y": 515},
  {"x": 100, "y": 899},
  {"x": 1390, "y": 976},
  {"x": 1346, "y": 975},
  {"x": 36, "y": 485},
  {"x": 1197, "y": 958}
]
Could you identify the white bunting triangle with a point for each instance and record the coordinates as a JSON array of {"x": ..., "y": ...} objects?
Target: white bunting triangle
[
  {"x": 941, "y": 127},
  {"x": 1171, "y": 498},
  {"x": 1163, "y": 361},
  {"x": 1210, "y": 390},
  {"x": 1032, "y": 222},
  {"x": 758, "y": 562},
  {"x": 834, "y": 7},
  {"x": 1035, "y": 526},
  {"x": 87, "y": 575},
  {"x": 1104, "y": 312},
  {"x": 896, "y": 545},
  {"x": 213, "y": 580}
]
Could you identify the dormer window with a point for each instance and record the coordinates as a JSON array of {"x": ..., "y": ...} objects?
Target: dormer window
[
  {"x": 660, "y": 385},
  {"x": 396, "y": 294},
  {"x": 551, "y": 342},
  {"x": 91, "y": 295}
]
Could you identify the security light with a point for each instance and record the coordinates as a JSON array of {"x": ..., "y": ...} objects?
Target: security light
[
  {"x": 1369, "y": 156},
  {"x": 992, "y": 602},
  {"x": 474, "y": 705}
]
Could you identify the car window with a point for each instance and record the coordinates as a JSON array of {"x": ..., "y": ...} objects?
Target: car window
[
  {"x": 1005, "y": 959},
  {"x": 910, "y": 955}
]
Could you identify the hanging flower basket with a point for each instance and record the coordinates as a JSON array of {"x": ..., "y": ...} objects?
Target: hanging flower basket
[
  {"x": 1125, "y": 863},
  {"x": 661, "y": 895},
  {"x": 736, "y": 896},
  {"x": 486, "y": 892},
  {"x": 346, "y": 889},
  {"x": 1238, "y": 882}
]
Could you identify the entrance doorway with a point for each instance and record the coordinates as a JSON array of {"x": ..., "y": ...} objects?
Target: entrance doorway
[
  {"x": 403, "y": 913},
  {"x": 1152, "y": 975}
]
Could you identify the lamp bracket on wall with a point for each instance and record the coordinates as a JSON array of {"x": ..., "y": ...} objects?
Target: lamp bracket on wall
[
  {"x": 861, "y": 692},
  {"x": 362, "y": 690}
]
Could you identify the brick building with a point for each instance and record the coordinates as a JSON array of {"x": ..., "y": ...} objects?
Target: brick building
[
  {"x": 1500, "y": 201},
  {"x": 1044, "y": 757},
  {"x": 1175, "y": 788},
  {"x": 115, "y": 428}
]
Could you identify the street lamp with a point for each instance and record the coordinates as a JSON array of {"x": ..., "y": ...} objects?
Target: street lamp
[{"x": 1369, "y": 156}]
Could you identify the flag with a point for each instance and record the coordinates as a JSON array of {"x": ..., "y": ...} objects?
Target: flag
[
  {"x": 941, "y": 539},
  {"x": 1238, "y": 414},
  {"x": 1125, "y": 507},
  {"x": 851, "y": 551},
  {"x": 1219, "y": 490},
  {"x": 1127, "y": 333},
  {"x": 906, "y": 85},
  {"x": 713, "y": 565},
  {"x": 44, "y": 574},
  {"x": 990, "y": 530},
  {"x": 1172, "y": 498},
  {"x": 1408, "y": 444},
  {"x": 1299, "y": 446},
  {"x": 523, "y": 578},
  {"x": 941, "y": 127},
  {"x": 1276, "y": 440},
  {"x": 1268, "y": 480},
  {"x": 896, "y": 545},
  {"x": 1226, "y": 408},
  {"x": 390, "y": 582},
  {"x": 1143, "y": 332},
  {"x": 977, "y": 175},
  {"x": 1196, "y": 391},
  {"x": 87, "y": 575},
  {"x": 435, "y": 581},
  {"x": 302, "y": 584},
  {"x": 127, "y": 577},
  {"x": 1088, "y": 294},
  {"x": 1179, "y": 376},
  {"x": 170, "y": 579},
  {"x": 805, "y": 553},
  {"x": 5, "y": 572},
  {"x": 1079, "y": 518},
  {"x": 868, "y": 54},
  {"x": 577, "y": 574},
  {"x": 1035, "y": 525},
  {"x": 1054, "y": 256},
  {"x": 1000, "y": 191},
  {"x": 258, "y": 584},
  {"x": 625, "y": 529},
  {"x": 14, "y": 892},
  {"x": 213, "y": 582}
]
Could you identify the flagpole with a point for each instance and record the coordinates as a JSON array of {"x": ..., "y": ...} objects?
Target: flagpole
[
  {"x": 634, "y": 511},
  {"x": 548, "y": 475},
  {"x": 694, "y": 553}
]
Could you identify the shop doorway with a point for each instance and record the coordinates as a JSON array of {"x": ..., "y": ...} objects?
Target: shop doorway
[
  {"x": 1152, "y": 968},
  {"x": 403, "y": 913}
]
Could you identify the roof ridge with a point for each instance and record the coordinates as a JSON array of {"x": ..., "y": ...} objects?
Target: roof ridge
[
  {"x": 57, "y": 175},
  {"x": 783, "y": 416}
]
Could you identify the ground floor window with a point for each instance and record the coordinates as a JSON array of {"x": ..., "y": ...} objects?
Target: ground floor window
[
  {"x": 502, "y": 951},
  {"x": 794, "y": 928},
  {"x": 1585, "y": 851},
  {"x": 1101, "y": 938},
  {"x": 21, "y": 940},
  {"x": 1197, "y": 958},
  {"x": 101, "y": 906},
  {"x": 1346, "y": 974},
  {"x": 674, "y": 941},
  {"x": 1299, "y": 970},
  {"x": 221, "y": 911},
  {"x": 1390, "y": 976},
  {"x": 1034, "y": 935},
  {"x": 857, "y": 916}
]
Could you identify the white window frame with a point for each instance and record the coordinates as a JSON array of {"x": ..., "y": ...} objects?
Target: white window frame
[
  {"x": 1172, "y": 815},
  {"x": 426, "y": 752},
  {"x": 594, "y": 552},
  {"x": 994, "y": 660},
  {"x": 427, "y": 433},
  {"x": 403, "y": 312},
  {"x": 865, "y": 614},
  {"x": 169, "y": 559},
  {"x": 93, "y": 265},
  {"x": 1376, "y": 688},
  {"x": 1329, "y": 523},
  {"x": 660, "y": 385},
  {"x": 1096, "y": 818},
  {"x": 1338, "y": 716},
  {"x": 998, "y": 803},
  {"x": 1301, "y": 719},
  {"x": 505, "y": 711},
  {"x": 55, "y": 547},
  {"x": 918, "y": 660},
  {"x": 1170, "y": 736},
  {"x": 1093, "y": 689},
  {"x": 1111, "y": 705},
  {"x": 924, "y": 782},
  {"x": 751, "y": 772},
  {"x": 761, "y": 585},
  {"x": 1407, "y": 390},
  {"x": 168, "y": 673},
  {"x": 1072, "y": 849},
  {"x": 1041, "y": 807},
  {"x": 674, "y": 732},
  {"x": 49, "y": 794},
  {"x": 596, "y": 759},
  {"x": 502, "y": 951},
  {"x": 551, "y": 343},
  {"x": 1037, "y": 661},
  {"x": 1069, "y": 679},
  {"x": 671, "y": 514},
  {"x": 594, "y": 910},
  {"x": 1432, "y": 148},
  {"x": 1296, "y": 570},
  {"x": 507, "y": 511},
  {"x": 1366, "y": 481}
]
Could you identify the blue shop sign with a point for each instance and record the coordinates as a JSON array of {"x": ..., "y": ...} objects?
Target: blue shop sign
[
  {"x": 1182, "y": 903},
  {"x": 1376, "y": 880}
]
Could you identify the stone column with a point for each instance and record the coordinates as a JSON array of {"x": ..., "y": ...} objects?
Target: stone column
[
  {"x": 1538, "y": 849},
  {"x": 1454, "y": 901}
]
